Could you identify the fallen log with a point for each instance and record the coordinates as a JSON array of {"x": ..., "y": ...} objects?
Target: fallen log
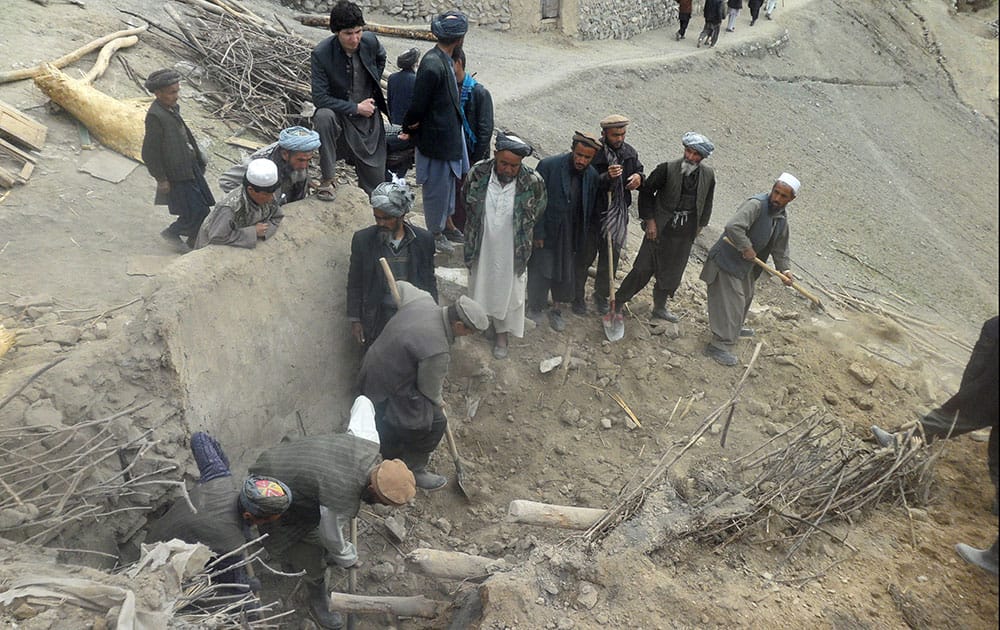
[
  {"x": 548, "y": 515},
  {"x": 104, "y": 57},
  {"x": 323, "y": 21},
  {"x": 65, "y": 60},
  {"x": 452, "y": 565},
  {"x": 416, "y": 606},
  {"x": 118, "y": 125}
]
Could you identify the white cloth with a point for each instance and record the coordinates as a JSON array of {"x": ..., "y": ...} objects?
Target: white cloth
[
  {"x": 492, "y": 282},
  {"x": 792, "y": 181},
  {"x": 362, "y": 423},
  {"x": 331, "y": 533}
]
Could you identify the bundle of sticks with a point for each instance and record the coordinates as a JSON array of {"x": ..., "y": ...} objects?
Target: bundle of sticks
[
  {"x": 262, "y": 74},
  {"x": 53, "y": 475},
  {"x": 821, "y": 474}
]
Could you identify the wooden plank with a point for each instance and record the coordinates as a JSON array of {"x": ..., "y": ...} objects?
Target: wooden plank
[
  {"x": 252, "y": 145},
  {"x": 19, "y": 127},
  {"x": 7, "y": 179},
  {"x": 10, "y": 149}
]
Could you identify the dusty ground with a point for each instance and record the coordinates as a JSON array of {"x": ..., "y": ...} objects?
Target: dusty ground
[{"x": 887, "y": 111}]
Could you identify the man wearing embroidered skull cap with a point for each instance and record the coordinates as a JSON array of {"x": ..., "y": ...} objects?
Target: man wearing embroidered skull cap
[
  {"x": 248, "y": 214},
  {"x": 346, "y": 70},
  {"x": 329, "y": 476},
  {"x": 503, "y": 200},
  {"x": 758, "y": 229},
  {"x": 675, "y": 203},
  {"x": 174, "y": 159},
  {"x": 435, "y": 121},
  {"x": 291, "y": 154},
  {"x": 408, "y": 249}
]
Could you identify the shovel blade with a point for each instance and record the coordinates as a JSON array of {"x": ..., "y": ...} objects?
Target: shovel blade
[{"x": 614, "y": 325}]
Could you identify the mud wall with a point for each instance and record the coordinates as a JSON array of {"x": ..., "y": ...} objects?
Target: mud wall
[
  {"x": 617, "y": 19},
  {"x": 256, "y": 340},
  {"x": 491, "y": 14}
]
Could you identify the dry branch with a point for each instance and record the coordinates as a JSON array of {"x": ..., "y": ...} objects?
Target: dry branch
[
  {"x": 323, "y": 21},
  {"x": 418, "y": 606},
  {"x": 29, "y": 73},
  {"x": 104, "y": 57}
]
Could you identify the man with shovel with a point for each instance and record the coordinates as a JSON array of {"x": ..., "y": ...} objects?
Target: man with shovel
[
  {"x": 758, "y": 230},
  {"x": 403, "y": 373}
]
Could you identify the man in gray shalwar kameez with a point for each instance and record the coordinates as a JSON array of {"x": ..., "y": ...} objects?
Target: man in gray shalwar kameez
[{"x": 248, "y": 214}]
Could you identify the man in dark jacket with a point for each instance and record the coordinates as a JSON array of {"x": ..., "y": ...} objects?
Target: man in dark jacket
[
  {"x": 408, "y": 249},
  {"x": 435, "y": 120},
  {"x": 621, "y": 172},
  {"x": 403, "y": 373},
  {"x": 399, "y": 86},
  {"x": 683, "y": 17},
  {"x": 346, "y": 70},
  {"x": 571, "y": 189},
  {"x": 758, "y": 229},
  {"x": 173, "y": 158},
  {"x": 715, "y": 11},
  {"x": 477, "y": 124},
  {"x": 675, "y": 204}
]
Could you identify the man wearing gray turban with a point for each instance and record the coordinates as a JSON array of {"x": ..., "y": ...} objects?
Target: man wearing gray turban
[
  {"x": 434, "y": 120},
  {"x": 408, "y": 249},
  {"x": 174, "y": 159},
  {"x": 292, "y": 153},
  {"x": 675, "y": 203}
]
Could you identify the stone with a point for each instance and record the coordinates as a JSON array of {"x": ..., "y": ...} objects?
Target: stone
[
  {"x": 571, "y": 417},
  {"x": 396, "y": 528},
  {"x": 606, "y": 423},
  {"x": 864, "y": 403},
  {"x": 758, "y": 408},
  {"x": 443, "y": 525},
  {"x": 587, "y": 596},
  {"x": 43, "y": 414},
  {"x": 37, "y": 312},
  {"x": 24, "y": 611},
  {"x": 62, "y": 334},
  {"x": 30, "y": 338},
  {"x": 922, "y": 578},
  {"x": 898, "y": 382},
  {"x": 383, "y": 571},
  {"x": 101, "y": 330},
  {"x": 831, "y": 398},
  {"x": 547, "y": 365},
  {"x": 918, "y": 514},
  {"x": 565, "y": 623},
  {"x": 550, "y": 588},
  {"x": 864, "y": 375}
]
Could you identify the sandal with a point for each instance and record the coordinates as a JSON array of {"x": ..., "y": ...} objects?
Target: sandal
[{"x": 326, "y": 193}]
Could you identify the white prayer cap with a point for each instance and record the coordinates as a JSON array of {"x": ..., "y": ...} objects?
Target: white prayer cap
[
  {"x": 262, "y": 173},
  {"x": 792, "y": 182}
]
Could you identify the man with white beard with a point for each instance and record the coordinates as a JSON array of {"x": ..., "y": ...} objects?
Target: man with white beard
[
  {"x": 503, "y": 200},
  {"x": 291, "y": 154},
  {"x": 675, "y": 203}
]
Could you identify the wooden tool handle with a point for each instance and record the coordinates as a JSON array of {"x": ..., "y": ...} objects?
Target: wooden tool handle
[
  {"x": 774, "y": 272},
  {"x": 391, "y": 279}
]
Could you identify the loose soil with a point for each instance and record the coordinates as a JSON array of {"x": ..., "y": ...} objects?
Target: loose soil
[{"x": 887, "y": 111}]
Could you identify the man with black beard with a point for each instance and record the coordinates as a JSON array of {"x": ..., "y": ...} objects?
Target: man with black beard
[
  {"x": 408, "y": 249},
  {"x": 675, "y": 203},
  {"x": 620, "y": 172}
]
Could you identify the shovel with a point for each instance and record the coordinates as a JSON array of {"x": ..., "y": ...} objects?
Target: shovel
[
  {"x": 459, "y": 471},
  {"x": 816, "y": 302},
  {"x": 613, "y": 320}
]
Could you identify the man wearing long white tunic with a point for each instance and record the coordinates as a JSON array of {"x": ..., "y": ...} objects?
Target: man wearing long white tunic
[{"x": 503, "y": 200}]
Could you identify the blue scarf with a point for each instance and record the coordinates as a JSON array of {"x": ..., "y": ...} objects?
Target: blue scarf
[{"x": 468, "y": 83}]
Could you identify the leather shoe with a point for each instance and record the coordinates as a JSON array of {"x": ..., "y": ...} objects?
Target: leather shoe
[
  {"x": 556, "y": 321},
  {"x": 602, "y": 305},
  {"x": 883, "y": 437},
  {"x": 319, "y": 607},
  {"x": 721, "y": 356},
  {"x": 579, "y": 307},
  {"x": 533, "y": 315},
  {"x": 500, "y": 352},
  {"x": 428, "y": 480},
  {"x": 985, "y": 559},
  {"x": 661, "y": 312},
  {"x": 746, "y": 331}
]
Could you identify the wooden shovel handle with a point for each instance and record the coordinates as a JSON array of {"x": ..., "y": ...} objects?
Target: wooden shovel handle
[
  {"x": 774, "y": 272},
  {"x": 391, "y": 279}
]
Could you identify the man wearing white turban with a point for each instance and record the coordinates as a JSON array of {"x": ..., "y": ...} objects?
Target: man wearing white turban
[
  {"x": 758, "y": 229},
  {"x": 248, "y": 214}
]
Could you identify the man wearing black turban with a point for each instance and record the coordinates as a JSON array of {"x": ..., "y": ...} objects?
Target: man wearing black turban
[
  {"x": 173, "y": 158},
  {"x": 435, "y": 121},
  {"x": 399, "y": 88}
]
